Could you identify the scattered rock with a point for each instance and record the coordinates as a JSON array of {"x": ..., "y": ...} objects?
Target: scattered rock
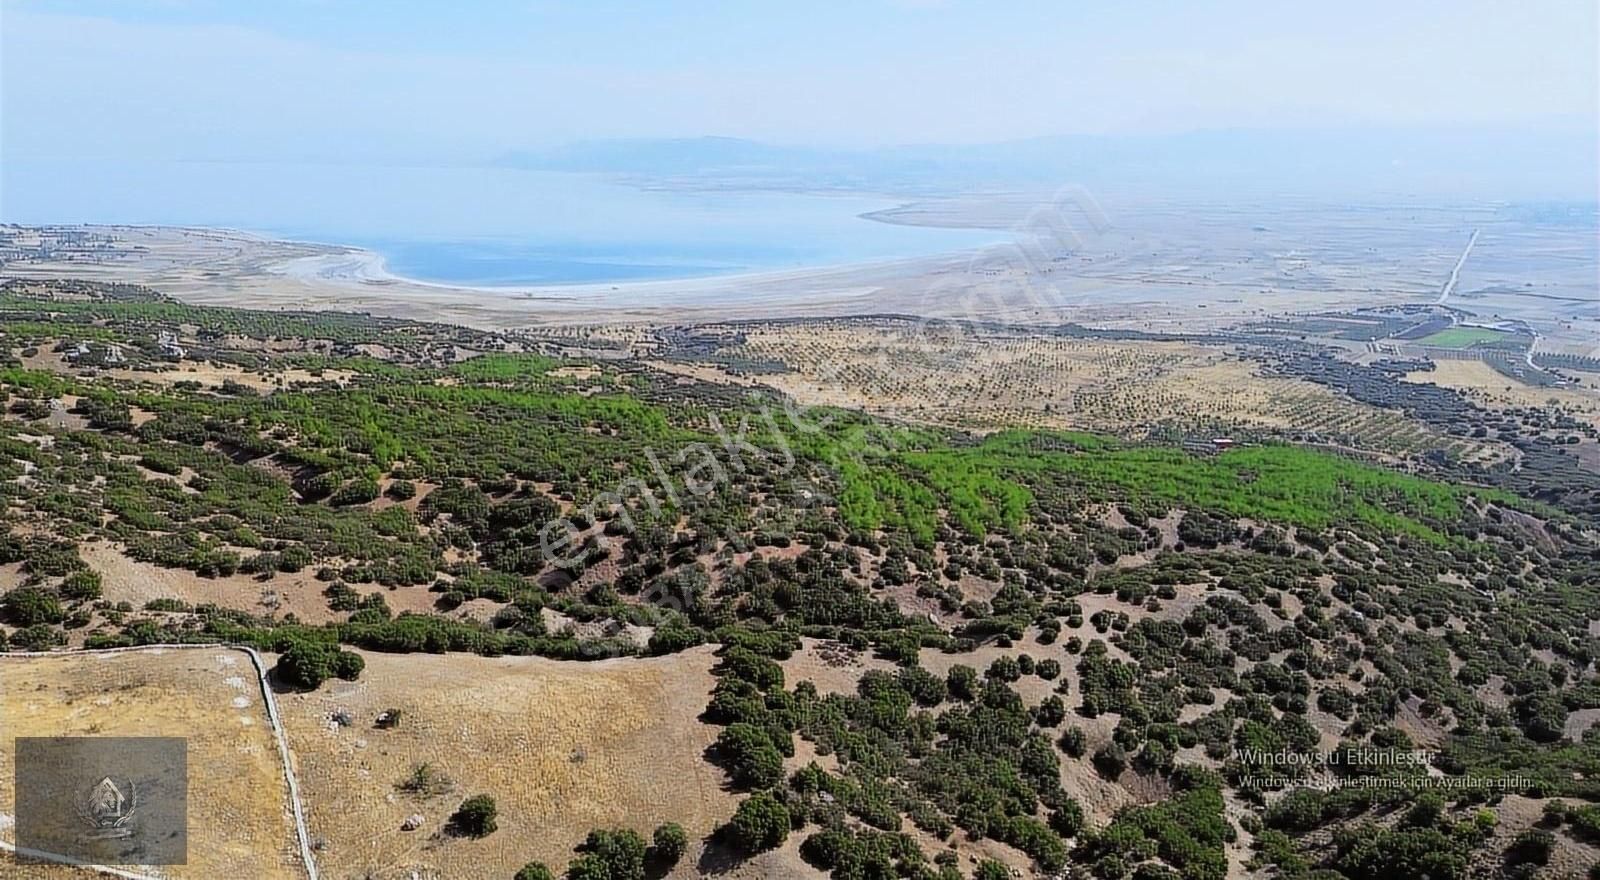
[{"x": 412, "y": 822}]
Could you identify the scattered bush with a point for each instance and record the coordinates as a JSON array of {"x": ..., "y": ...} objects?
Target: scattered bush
[
  {"x": 307, "y": 665},
  {"x": 1532, "y": 846},
  {"x": 475, "y": 817},
  {"x": 31, "y": 606},
  {"x": 668, "y": 843},
  {"x": 81, "y": 586}
]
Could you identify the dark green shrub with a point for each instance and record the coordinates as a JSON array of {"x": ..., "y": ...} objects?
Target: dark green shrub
[
  {"x": 81, "y": 586},
  {"x": 31, "y": 606},
  {"x": 668, "y": 843},
  {"x": 622, "y": 852},
  {"x": 1532, "y": 847},
  {"x": 760, "y": 823},
  {"x": 475, "y": 817}
]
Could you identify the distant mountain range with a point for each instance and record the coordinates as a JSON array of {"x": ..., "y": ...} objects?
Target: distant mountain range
[{"x": 1554, "y": 162}]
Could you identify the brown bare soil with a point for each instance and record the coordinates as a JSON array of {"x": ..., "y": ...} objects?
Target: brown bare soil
[{"x": 300, "y": 594}]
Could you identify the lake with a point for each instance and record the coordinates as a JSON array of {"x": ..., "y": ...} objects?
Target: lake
[{"x": 480, "y": 225}]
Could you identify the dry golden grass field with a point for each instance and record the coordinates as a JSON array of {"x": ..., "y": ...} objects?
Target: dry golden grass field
[
  {"x": 11, "y": 869},
  {"x": 563, "y": 747},
  {"x": 240, "y": 822}
]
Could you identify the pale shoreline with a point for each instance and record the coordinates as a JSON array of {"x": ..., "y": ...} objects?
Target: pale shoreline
[
  {"x": 1099, "y": 288},
  {"x": 352, "y": 264},
  {"x": 225, "y": 267},
  {"x": 213, "y": 266}
]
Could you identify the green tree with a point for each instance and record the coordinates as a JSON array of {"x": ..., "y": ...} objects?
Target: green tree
[
  {"x": 81, "y": 585},
  {"x": 669, "y": 843},
  {"x": 1532, "y": 846},
  {"x": 1366, "y": 852},
  {"x": 305, "y": 665},
  {"x": 588, "y": 867},
  {"x": 962, "y": 682},
  {"x": 1051, "y": 712},
  {"x": 1067, "y": 820},
  {"x": 760, "y": 671},
  {"x": 358, "y": 491},
  {"x": 1110, "y": 760},
  {"x": 621, "y": 851},
  {"x": 760, "y": 823},
  {"x": 32, "y": 606},
  {"x": 751, "y": 758},
  {"x": 39, "y": 637},
  {"x": 475, "y": 817},
  {"x": 1074, "y": 742},
  {"x": 348, "y": 665}
]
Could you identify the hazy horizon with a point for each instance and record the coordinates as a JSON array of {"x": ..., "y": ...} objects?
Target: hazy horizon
[
  {"x": 420, "y": 124},
  {"x": 305, "y": 81}
]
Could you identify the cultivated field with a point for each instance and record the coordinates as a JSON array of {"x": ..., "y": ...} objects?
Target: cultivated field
[
  {"x": 563, "y": 747},
  {"x": 985, "y": 380},
  {"x": 240, "y": 822},
  {"x": 1461, "y": 337}
]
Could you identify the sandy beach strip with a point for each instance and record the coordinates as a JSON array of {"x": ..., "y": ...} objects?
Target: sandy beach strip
[{"x": 234, "y": 268}]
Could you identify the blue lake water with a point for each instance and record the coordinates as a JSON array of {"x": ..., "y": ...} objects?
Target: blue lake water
[{"x": 480, "y": 225}]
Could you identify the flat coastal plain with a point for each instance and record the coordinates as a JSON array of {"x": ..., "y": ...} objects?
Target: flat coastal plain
[{"x": 1156, "y": 267}]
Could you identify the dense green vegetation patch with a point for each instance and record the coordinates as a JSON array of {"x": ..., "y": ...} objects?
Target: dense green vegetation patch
[
  {"x": 1135, "y": 605},
  {"x": 990, "y": 485},
  {"x": 1462, "y": 337}
]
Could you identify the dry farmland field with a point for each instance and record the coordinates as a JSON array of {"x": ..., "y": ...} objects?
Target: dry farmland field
[
  {"x": 1495, "y": 390},
  {"x": 982, "y": 380},
  {"x": 240, "y": 823},
  {"x": 563, "y": 747}
]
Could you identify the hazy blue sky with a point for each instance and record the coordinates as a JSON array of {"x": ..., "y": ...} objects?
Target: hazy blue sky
[{"x": 324, "y": 79}]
